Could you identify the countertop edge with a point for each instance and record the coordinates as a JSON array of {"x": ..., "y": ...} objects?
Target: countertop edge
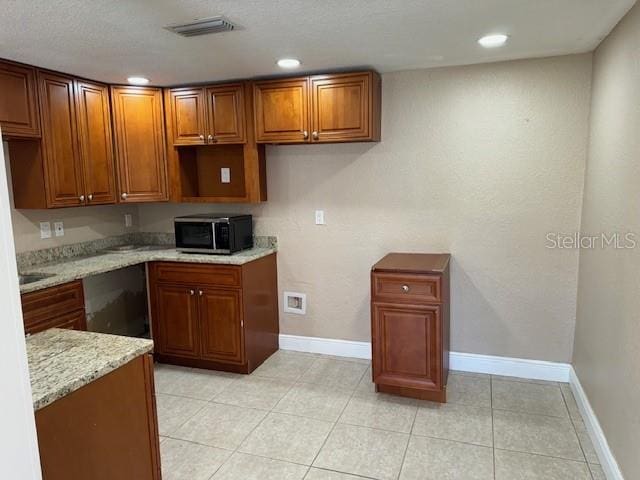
[
  {"x": 129, "y": 260},
  {"x": 63, "y": 391}
]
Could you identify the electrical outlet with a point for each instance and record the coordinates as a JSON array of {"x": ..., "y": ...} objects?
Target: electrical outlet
[
  {"x": 45, "y": 230},
  {"x": 320, "y": 217},
  {"x": 128, "y": 220},
  {"x": 225, "y": 175},
  {"x": 58, "y": 228}
]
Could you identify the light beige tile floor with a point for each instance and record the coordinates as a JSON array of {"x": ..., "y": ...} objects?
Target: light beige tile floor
[{"x": 312, "y": 417}]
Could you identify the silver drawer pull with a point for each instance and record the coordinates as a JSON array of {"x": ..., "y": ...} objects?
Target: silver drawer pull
[{"x": 405, "y": 288}]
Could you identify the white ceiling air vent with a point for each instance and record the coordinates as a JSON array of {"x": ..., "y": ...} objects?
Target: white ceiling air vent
[{"x": 202, "y": 26}]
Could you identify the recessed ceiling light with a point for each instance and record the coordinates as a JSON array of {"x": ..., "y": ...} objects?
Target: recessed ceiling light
[
  {"x": 288, "y": 63},
  {"x": 138, "y": 80},
  {"x": 492, "y": 41}
]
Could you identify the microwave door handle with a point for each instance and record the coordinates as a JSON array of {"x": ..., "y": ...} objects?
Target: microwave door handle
[{"x": 213, "y": 230}]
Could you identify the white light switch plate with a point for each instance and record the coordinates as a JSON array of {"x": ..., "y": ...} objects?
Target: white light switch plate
[
  {"x": 320, "y": 217},
  {"x": 225, "y": 175},
  {"x": 58, "y": 228},
  {"x": 45, "y": 230},
  {"x": 128, "y": 220}
]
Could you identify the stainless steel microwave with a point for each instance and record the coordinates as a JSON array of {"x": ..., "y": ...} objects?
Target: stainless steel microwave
[{"x": 214, "y": 233}]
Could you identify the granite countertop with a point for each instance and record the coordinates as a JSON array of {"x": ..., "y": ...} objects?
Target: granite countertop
[
  {"x": 75, "y": 268},
  {"x": 62, "y": 361}
]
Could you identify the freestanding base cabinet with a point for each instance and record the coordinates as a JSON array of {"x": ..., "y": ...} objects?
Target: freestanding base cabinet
[{"x": 410, "y": 325}]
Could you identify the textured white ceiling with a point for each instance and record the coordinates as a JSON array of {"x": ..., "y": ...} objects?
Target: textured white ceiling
[{"x": 112, "y": 39}]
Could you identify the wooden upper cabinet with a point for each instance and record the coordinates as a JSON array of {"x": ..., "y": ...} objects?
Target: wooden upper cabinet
[
  {"x": 206, "y": 116},
  {"x": 61, "y": 155},
  {"x": 341, "y": 107},
  {"x": 282, "y": 110},
  {"x": 139, "y": 140},
  {"x": 344, "y": 108},
  {"x": 188, "y": 116},
  {"x": 96, "y": 148},
  {"x": 225, "y": 105},
  {"x": 18, "y": 101}
]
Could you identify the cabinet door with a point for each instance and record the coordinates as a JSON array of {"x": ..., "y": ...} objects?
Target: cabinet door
[
  {"x": 406, "y": 346},
  {"x": 176, "y": 320},
  {"x": 226, "y": 114},
  {"x": 221, "y": 325},
  {"x": 96, "y": 142},
  {"x": 282, "y": 110},
  {"x": 341, "y": 108},
  {"x": 188, "y": 116},
  {"x": 62, "y": 164},
  {"x": 18, "y": 101},
  {"x": 139, "y": 140}
]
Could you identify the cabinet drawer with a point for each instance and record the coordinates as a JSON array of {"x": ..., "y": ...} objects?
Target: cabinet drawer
[
  {"x": 403, "y": 288},
  {"x": 73, "y": 321},
  {"x": 194, "y": 274},
  {"x": 52, "y": 302}
]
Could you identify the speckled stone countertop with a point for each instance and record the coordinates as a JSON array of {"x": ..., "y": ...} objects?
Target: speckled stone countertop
[
  {"x": 62, "y": 361},
  {"x": 75, "y": 268}
]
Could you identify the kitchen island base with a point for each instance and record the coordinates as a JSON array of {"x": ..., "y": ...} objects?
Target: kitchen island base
[{"x": 106, "y": 430}]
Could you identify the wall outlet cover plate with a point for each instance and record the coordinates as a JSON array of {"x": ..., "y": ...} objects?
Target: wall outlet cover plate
[
  {"x": 295, "y": 302},
  {"x": 45, "y": 230}
]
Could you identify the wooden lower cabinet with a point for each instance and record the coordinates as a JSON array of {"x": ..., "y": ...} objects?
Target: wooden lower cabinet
[
  {"x": 410, "y": 325},
  {"x": 106, "y": 430},
  {"x": 222, "y": 317},
  {"x": 61, "y": 306}
]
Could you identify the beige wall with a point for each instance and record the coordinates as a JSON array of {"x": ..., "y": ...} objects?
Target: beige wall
[
  {"x": 479, "y": 161},
  {"x": 607, "y": 343},
  {"x": 80, "y": 224}
]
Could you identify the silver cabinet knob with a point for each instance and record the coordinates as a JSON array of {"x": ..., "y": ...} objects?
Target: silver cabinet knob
[
  {"x": 192, "y": 292},
  {"x": 211, "y": 138},
  {"x": 405, "y": 288},
  {"x": 90, "y": 197},
  {"x": 200, "y": 292},
  {"x": 81, "y": 198},
  {"x": 124, "y": 196},
  {"x": 315, "y": 135},
  {"x": 201, "y": 138},
  {"x": 305, "y": 134}
]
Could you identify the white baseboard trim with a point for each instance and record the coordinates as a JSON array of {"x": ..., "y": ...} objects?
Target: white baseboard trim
[
  {"x": 510, "y": 367},
  {"x": 605, "y": 455},
  {"x": 326, "y": 346},
  {"x": 466, "y": 362}
]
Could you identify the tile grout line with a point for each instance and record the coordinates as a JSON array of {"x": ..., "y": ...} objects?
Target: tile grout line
[
  {"x": 354, "y": 392},
  {"x": 542, "y": 455},
  {"x": 575, "y": 431},
  {"x": 406, "y": 448},
  {"x": 493, "y": 434},
  {"x": 339, "y": 416},
  {"x": 236, "y": 450},
  {"x": 294, "y": 383}
]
